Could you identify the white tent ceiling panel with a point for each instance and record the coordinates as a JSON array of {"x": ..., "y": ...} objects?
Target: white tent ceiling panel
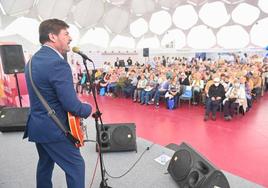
[
  {"x": 50, "y": 8},
  {"x": 88, "y": 12},
  {"x": 17, "y": 7},
  {"x": 26, "y": 27},
  {"x": 116, "y": 19},
  {"x": 263, "y": 4},
  {"x": 152, "y": 42},
  {"x": 122, "y": 41},
  {"x": 4, "y": 33},
  {"x": 6, "y": 20},
  {"x": 136, "y": 19},
  {"x": 116, "y": 2},
  {"x": 259, "y": 32},
  {"x": 198, "y": 2},
  {"x": 234, "y": 1},
  {"x": 160, "y": 22},
  {"x": 169, "y": 3},
  {"x": 26, "y": 44},
  {"x": 96, "y": 36},
  {"x": 201, "y": 37},
  {"x": 231, "y": 37},
  {"x": 245, "y": 14},
  {"x": 140, "y": 7},
  {"x": 214, "y": 14},
  {"x": 185, "y": 17},
  {"x": 174, "y": 38},
  {"x": 74, "y": 33},
  {"x": 139, "y": 27}
]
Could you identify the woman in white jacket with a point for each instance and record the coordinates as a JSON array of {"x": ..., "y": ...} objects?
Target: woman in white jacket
[
  {"x": 198, "y": 86},
  {"x": 235, "y": 97}
]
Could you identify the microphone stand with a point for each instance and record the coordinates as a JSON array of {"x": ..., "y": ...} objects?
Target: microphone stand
[{"x": 97, "y": 116}]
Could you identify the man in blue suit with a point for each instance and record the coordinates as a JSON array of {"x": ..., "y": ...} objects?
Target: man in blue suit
[{"x": 53, "y": 77}]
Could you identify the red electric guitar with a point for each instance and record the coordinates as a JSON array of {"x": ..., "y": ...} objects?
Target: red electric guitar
[{"x": 77, "y": 128}]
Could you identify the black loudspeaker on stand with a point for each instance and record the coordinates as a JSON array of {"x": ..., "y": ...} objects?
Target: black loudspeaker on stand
[
  {"x": 118, "y": 137},
  {"x": 13, "y": 62},
  {"x": 12, "y": 58},
  {"x": 190, "y": 170},
  {"x": 145, "y": 52},
  {"x": 13, "y": 119}
]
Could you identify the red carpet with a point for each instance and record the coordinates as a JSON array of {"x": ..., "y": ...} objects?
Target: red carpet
[{"x": 239, "y": 146}]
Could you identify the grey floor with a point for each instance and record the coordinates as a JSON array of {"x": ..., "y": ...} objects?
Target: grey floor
[{"x": 18, "y": 159}]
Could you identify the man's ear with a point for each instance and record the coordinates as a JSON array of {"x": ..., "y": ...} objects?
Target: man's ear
[{"x": 51, "y": 37}]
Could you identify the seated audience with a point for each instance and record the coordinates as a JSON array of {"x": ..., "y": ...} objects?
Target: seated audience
[
  {"x": 149, "y": 90},
  {"x": 184, "y": 79},
  {"x": 215, "y": 96},
  {"x": 235, "y": 97},
  {"x": 161, "y": 89},
  {"x": 174, "y": 91},
  {"x": 140, "y": 87},
  {"x": 257, "y": 82},
  {"x": 131, "y": 84},
  {"x": 198, "y": 86},
  {"x": 163, "y": 73}
]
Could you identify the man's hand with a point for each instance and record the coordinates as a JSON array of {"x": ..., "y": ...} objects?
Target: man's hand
[
  {"x": 218, "y": 98},
  {"x": 213, "y": 98}
]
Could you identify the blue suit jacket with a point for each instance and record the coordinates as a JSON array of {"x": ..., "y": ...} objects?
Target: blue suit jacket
[{"x": 53, "y": 77}]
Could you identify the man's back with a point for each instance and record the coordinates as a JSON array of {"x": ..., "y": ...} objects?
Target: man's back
[{"x": 53, "y": 78}]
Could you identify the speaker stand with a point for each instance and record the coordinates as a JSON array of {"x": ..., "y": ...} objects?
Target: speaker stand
[
  {"x": 97, "y": 116},
  {"x": 18, "y": 88}
]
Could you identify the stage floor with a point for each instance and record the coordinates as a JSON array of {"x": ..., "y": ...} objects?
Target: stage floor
[
  {"x": 18, "y": 160},
  {"x": 239, "y": 146}
]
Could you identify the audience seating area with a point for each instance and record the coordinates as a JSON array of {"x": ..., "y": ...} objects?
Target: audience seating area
[{"x": 170, "y": 83}]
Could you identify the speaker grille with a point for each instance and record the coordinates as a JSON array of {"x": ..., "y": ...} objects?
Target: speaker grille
[
  {"x": 182, "y": 164},
  {"x": 193, "y": 178},
  {"x": 122, "y": 136},
  {"x": 191, "y": 170},
  {"x": 145, "y": 52}
]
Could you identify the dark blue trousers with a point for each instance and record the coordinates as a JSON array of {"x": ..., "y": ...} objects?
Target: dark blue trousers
[
  {"x": 67, "y": 157},
  {"x": 212, "y": 106}
]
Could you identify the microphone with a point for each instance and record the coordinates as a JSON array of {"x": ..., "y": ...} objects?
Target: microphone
[{"x": 77, "y": 50}]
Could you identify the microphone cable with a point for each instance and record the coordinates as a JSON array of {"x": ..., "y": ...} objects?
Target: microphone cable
[
  {"x": 131, "y": 168},
  {"x": 96, "y": 165}
]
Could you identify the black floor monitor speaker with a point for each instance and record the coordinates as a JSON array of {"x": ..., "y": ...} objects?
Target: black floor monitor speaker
[
  {"x": 191, "y": 170},
  {"x": 12, "y": 58},
  {"x": 145, "y": 52},
  {"x": 13, "y": 119},
  {"x": 118, "y": 137}
]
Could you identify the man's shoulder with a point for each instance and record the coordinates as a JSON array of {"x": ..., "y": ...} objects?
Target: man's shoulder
[{"x": 47, "y": 53}]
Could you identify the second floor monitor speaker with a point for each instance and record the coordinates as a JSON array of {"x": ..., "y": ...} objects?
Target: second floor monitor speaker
[
  {"x": 145, "y": 52},
  {"x": 12, "y": 58},
  {"x": 118, "y": 137},
  {"x": 13, "y": 119},
  {"x": 191, "y": 170}
]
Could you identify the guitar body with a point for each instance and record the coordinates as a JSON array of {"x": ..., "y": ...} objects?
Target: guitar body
[{"x": 76, "y": 129}]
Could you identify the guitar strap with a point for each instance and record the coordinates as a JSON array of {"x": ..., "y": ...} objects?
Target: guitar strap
[{"x": 51, "y": 112}]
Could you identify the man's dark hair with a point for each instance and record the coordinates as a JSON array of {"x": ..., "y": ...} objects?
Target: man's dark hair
[{"x": 50, "y": 26}]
